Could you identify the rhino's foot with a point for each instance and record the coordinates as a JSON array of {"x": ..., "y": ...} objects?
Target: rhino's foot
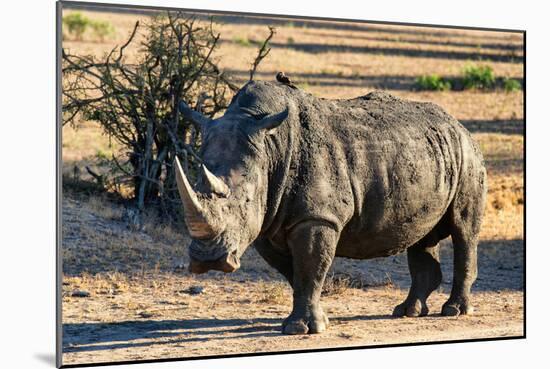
[
  {"x": 455, "y": 307},
  {"x": 411, "y": 308},
  {"x": 305, "y": 323}
]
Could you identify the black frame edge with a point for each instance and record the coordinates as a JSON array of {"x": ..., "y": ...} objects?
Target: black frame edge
[
  {"x": 59, "y": 195},
  {"x": 304, "y": 351}
]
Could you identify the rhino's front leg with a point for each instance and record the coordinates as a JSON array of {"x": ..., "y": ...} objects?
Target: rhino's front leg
[{"x": 313, "y": 245}]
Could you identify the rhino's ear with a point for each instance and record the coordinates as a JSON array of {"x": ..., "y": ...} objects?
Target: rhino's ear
[
  {"x": 200, "y": 120},
  {"x": 272, "y": 121}
]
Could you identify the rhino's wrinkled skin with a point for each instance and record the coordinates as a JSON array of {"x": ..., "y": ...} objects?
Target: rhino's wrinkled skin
[{"x": 306, "y": 179}]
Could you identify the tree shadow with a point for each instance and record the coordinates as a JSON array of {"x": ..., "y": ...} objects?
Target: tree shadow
[
  {"x": 317, "y": 48},
  {"x": 507, "y": 126},
  {"x": 355, "y": 26},
  {"x": 349, "y": 25},
  {"x": 86, "y": 336},
  {"x": 389, "y": 82},
  {"x": 508, "y": 46},
  {"x": 380, "y": 81}
]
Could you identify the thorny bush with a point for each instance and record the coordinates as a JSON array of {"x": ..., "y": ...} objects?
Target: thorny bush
[{"x": 136, "y": 104}]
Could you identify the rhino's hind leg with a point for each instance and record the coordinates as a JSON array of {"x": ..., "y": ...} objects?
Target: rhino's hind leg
[
  {"x": 313, "y": 245},
  {"x": 466, "y": 216},
  {"x": 425, "y": 271},
  {"x": 465, "y": 272}
]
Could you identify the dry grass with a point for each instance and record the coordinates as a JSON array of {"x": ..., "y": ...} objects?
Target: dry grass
[
  {"x": 86, "y": 142},
  {"x": 503, "y": 153},
  {"x": 273, "y": 293},
  {"x": 110, "y": 283},
  {"x": 96, "y": 238},
  {"x": 338, "y": 283},
  {"x": 104, "y": 208},
  {"x": 346, "y": 54}
]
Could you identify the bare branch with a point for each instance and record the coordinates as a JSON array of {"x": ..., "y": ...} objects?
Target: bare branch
[
  {"x": 262, "y": 52},
  {"x": 206, "y": 59},
  {"x": 130, "y": 39}
]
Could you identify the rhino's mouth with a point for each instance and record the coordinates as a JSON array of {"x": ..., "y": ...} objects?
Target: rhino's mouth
[{"x": 227, "y": 263}]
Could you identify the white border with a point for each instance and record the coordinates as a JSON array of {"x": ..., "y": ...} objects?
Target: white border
[{"x": 27, "y": 185}]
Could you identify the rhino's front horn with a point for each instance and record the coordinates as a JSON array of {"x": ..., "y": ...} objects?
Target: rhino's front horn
[
  {"x": 194, "y": 214},
  {"x": 215, "y": 184}
]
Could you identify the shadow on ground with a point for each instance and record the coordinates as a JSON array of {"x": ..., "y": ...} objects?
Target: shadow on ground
[
  {"x": 316, "y": 48},
  {"x": 348, "y": 25},
  {"x": 510, "y": 126},
  {"x": 381, "y": 81},
  {"x": 438, "y": 31},
  {"x": 79, "y": 337},
  {"x": 88, "y": 335},
  {"x": 390, "y": 82},
  {"x": 500, "y": 269},
  {"x": 500, "y": 266},
  {"x": 422, "y": 41}
]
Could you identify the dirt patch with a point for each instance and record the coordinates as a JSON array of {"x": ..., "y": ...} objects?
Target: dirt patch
[{"x": 230, "y": 316}]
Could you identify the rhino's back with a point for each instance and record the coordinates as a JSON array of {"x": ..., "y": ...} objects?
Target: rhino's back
[{"x": 388, "y": 170}]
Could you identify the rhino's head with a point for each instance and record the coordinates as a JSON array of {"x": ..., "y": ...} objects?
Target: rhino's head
[{"x": 224, "y": 210}]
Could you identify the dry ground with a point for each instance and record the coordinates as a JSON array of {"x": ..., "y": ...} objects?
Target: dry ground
[{"x": 141, "y": 303}]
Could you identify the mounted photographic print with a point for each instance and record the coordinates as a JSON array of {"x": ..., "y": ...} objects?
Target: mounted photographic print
[{"x": 235, "y": 184}]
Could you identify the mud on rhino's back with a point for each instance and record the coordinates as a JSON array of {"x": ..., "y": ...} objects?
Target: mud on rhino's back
[{"x": 403, "y": 162}]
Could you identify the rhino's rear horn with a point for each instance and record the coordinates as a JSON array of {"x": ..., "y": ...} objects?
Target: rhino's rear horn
[
  {"x": 194, "y": 213},
  {"x": 215, "y": 184}
]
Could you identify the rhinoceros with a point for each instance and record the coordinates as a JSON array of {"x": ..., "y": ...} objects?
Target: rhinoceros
[{"x": 305, "y": 179}]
